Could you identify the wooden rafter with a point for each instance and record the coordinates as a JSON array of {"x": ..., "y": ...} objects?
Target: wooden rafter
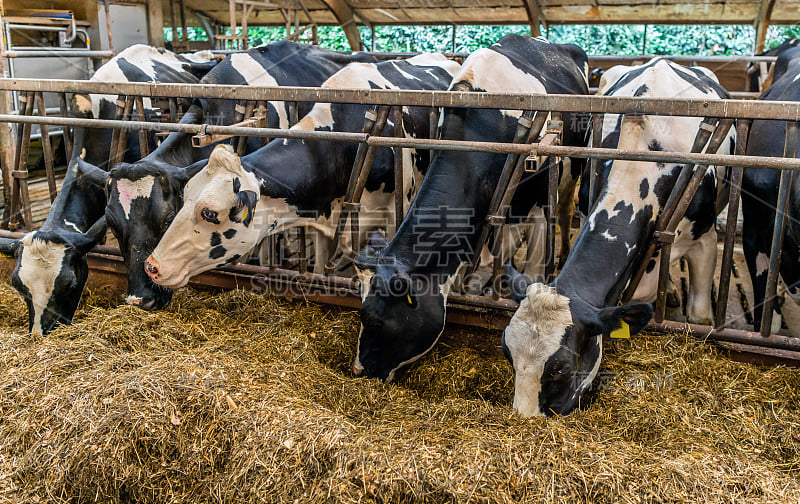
[
  {"x": 535, "y": 16},
  {"x": 762, "y": 23},
  {"x": 346, "y": 18}
]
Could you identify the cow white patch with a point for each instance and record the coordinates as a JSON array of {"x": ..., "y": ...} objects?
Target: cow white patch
[
  {"x": 39, "y": 267},
  {"x": 129, "y": 190},
  {"x": 533, "y": 335},
  {"x": 72, "y": 225},
  {"x": 255, "y": 75},
  {"x": 133, "y": 300},
  {"x": 608, "y": 236},
  {"x": 762, "y": 263},
  {"x": 587, "y": 381}
]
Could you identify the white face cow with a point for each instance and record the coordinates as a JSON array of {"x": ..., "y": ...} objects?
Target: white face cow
[{"x": 216, "y": 225}]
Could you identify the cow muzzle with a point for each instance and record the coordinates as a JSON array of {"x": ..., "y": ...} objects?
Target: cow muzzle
[{"x": 151, "y": 268}]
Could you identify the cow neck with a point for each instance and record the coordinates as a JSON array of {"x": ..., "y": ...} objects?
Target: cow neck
[
  {"x": 458, "y": 183},
  {"x": 79, "y": 202},
  {"x": 176, "y": 150}
]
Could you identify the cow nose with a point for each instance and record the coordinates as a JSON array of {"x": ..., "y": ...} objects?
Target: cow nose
[
  {"x": 151, "y": 269},
  {"x": 147, "y": 304}
]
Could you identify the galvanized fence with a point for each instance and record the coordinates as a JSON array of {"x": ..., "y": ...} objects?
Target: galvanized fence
[{"x": 719, "y": 116}]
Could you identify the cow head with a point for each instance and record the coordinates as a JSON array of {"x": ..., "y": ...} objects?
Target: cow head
[
  {"x": 392, "y": 302},
  {"x": 51, "y": 272},
  {"x": 142, "y": 201},
  {"x": 555, "y": 345},
  {"x": 215, "y": 226}
]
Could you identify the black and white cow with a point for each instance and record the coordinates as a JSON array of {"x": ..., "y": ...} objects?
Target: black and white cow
[
  {"x": 144, "y": 197},
  {"x": 760, "y": 194},
  {"x": 554, "y": 339},
  {"x": 138, "y": 63},
  {"x": 405, "y": 283},
  {"x": 296, "y": 182},
  {"x": 51, "y": 265},
  {"x": 762, "y": 74}
]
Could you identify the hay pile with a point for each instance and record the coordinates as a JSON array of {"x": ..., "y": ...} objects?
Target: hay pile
[{"x": 238, "y": 398}]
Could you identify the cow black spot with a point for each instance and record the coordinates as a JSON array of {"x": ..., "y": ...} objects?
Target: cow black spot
[
  {"x": 230, "y": 233},
  {"x": 642, "y": 90},
  {"x": 233, "y": 258},
  {"x": 655, "y": 145},
  {"x": 644, "y": 188},
  {"x": 233, "y": 215},
  {"x": 236, "y": 185},
  {"x": 651, "y": 265},
  {"x": 217, "y": 252},
  {"x": 216, "y": 239}
]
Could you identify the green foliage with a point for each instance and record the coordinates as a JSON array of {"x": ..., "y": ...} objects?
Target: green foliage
[{"x": 594, "y": 39}]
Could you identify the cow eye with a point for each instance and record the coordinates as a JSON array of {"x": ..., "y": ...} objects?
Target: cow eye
[{"x": 208, "y": 215}]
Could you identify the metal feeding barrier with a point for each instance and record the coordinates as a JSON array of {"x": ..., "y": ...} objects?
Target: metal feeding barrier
[{"x": 539, "y": 112}]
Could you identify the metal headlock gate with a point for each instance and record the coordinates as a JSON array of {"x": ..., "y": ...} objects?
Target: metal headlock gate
[{"x": 465, "y": 308}]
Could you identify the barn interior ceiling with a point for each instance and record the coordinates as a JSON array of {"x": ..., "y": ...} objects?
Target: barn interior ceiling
[{"x": 383, "y": 12}]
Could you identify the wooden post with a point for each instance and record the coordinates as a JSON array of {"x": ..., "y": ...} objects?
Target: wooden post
[
  {"x": 155, "y": 23},
  {"x": 7, "y": 135},
  {"x": 761, "y": 24}
]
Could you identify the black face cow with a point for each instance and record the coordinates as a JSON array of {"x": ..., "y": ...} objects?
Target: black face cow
[
  {"x": 555, "y": 338},
  {"x": 297, "y": 182},
  {"x": 138, "y": 63},
  {"x": 760, "y": 194},
  {"x": 405, "y": 283},
  {"x": 143, "y": 197},
  {"x": 51, "y": 265}
]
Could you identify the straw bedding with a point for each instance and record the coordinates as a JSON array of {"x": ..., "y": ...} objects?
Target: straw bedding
[{"x": 239, "y": 398}]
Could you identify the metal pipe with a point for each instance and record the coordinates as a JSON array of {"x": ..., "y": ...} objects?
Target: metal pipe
[
  {"x": 330, "y": 136},
  {"x": 777, "y": 110},
  {"x": 57, "y": 53},
  {"x": 784, "y": 188},
  {"x": 742, "y": 132}
]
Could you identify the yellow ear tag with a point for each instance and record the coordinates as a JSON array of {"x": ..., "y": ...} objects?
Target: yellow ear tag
[
  {"x": 245, "y": 213},
  {"x": 408, "y": 298},
  {"x": 624, "y": 331}
]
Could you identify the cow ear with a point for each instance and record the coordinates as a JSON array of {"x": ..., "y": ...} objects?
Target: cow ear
[
  {"x": 190, "y": 171},
  {"x": 517, "y": 283},
  {"x": 222, "y": 158},
  {"x": 84, "y": 242},
  {"x": 636, "y": 315},
  {"x": 246, "y": 202},
  {"x": 8, "y": 247},
  {"x": 93, "y": 174}
]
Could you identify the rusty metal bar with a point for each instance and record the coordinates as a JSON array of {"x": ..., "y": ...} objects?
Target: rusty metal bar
[
  {"x": 784, "y": 188},
  {"x": 556, "y": 127},
  {"x": 594, "y": 163},
  {"x": 329, "y": 136},
  {"x": 20, "y": 199},
  {"x": 144, "y": 149},
  {"x": 777, "y": 110},
  {"x": 742, "y": 132},
  {"x": 665, "y": 239},
  {"x": 118, "y": 115},
  {"x": 241, "y": 142},
  {"x": 399, "y": 189},
  {"x": 67, "y": 131},
  {"x": 57, "y": 53},
  {"x": 47, "y": 149}
]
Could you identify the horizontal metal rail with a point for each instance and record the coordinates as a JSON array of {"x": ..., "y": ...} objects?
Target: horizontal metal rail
[
  {"x": 56, "y": 53},
  {"x": 533, "y": 149},
  {"x": 776, "y": 110}
]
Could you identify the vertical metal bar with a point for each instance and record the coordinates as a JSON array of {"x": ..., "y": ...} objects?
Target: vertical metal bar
[
  {"x": 144, "y": 150},
  {"x": 67, "y": 131},
  {"x": 173, "y": 107},
  {"x": 433, "y": 129},
  {"x": 47, "y": 149},
  {"x": 742, "y": 131},
  {"x": 399, "y": 189},
  {"x": 552, "y": 210},
  {"x": 20, "y": 199},
  {"x": 184, "y": 29},
  {"x": 594, "y": 164},
  {"x": 112, "y": 154},
  {"x": 301, "y": 236},
  {"x": 453, "y": 45},
  {"x": 122, "y": 139},
  {"x": 784, "y": 188},
  {"x": 663, "y": 280},
  {"x": 293, "y": 119},
  {"x": 241, "y": 144}
]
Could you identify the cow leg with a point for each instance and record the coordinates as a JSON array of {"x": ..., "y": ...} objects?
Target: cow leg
[
  {"x": 755, "y": 243},
  {"x": 702, "y": 259}
]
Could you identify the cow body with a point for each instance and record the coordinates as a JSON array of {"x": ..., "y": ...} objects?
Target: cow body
[
  {"x": 762, "y": 74},
  {"x": 143, "y": 197},
  {"x": 138, "y": 63},
  {"x": 51, "y": 267},
  {"x": 760, "y": 194},
  {"x": 299, "y": 182},
  {"x": 555, "y": 338},
  {"x": 405, "y": 283}
]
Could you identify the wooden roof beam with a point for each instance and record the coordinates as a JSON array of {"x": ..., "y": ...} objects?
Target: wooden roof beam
[
  {"x": 762, "y": 23},
  {"x": 346, "y": 17},
  {"x": 535, "y": 16}
]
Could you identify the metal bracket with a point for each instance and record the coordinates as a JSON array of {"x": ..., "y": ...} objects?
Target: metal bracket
[
  {"x": 495, "y": 220},
  {"x": 664, "y": 237},
  {"x": 351, "y": 207},
  {"x": 707, "y": 127},
  {"x": 371, "y": 115}
]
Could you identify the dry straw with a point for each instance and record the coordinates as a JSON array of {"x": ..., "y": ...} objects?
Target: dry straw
[{"x": 239, "y": 398}]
